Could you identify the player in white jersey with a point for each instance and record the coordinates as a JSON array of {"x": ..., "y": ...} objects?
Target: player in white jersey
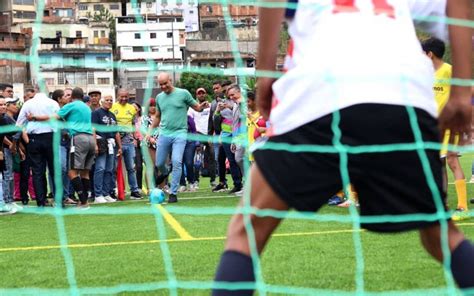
[{"x": 362, "y": 60}]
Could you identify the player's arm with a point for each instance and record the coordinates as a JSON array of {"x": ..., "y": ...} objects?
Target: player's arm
[
  {"x": 32, "y": 117},
  {"x": 156, "y": 121},
  {"x": 200, "y": 107},
  {"x": 456, "y": 114},
  {"x": 269, "y": 27}
]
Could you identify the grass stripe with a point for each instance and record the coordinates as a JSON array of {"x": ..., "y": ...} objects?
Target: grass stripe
[
  {"x": 177, "y": 227},
  {"x": 173, "y": 240}
]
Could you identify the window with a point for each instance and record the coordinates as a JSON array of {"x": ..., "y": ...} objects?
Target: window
[
  {"x": 114, "y": 7},
  {"x": 82, "y": 6},
  {"x": 49, "y": 81},
  {"x": 24, "y": 14},
  {"x": 152, "y": 35},
  {"x": 46, "y": 13},
  {"x": 75, "y": 60},
  {"x": 61, "y": 78},
  {"x": 169, "y": 35},
  {"x": 209, "y": 9},
  {"x": 137, "y": 36},
  {"x": 46, "y": 60},
  {"x": 90, "y": 78},
  {"x": 155, "y": 49},
  {"x": 102, "y": 33},
  {"x": 98, "y": 7},
  {"x": 170, "y": 49},
  {"x": 24, "y": 2},
  {"x": 191, "y": 11},
  {"x": 149, "y": 5},
  {"x": 101, "y": 60},
  {"x": 138, "y": 49},
  {"x": 96, "y": 34},
  {"x": 78, "y": 34},
  {"x": 137, "y": 84},
  {"x": 63, "y": 12},
  {"x": 75, "y": 78},
  {"x": 103, "y": 80}
]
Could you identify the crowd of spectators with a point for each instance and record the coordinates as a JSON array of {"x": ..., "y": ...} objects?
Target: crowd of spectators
[{"x": 185, "y": 138}]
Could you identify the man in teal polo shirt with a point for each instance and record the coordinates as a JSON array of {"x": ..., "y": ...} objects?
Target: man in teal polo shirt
[{"x": 172, "y": 107}]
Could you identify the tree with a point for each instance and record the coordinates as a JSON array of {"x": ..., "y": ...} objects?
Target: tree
[
  {"x": 104, "y": 16},
  {"x": 193, "y": 81}
]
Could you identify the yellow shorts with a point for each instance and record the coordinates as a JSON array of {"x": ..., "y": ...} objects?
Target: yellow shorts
[{"x": 448, "y": 139}]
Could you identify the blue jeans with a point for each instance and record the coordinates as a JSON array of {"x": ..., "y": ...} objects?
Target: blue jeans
[
  {"x": 64, "y": 150},
  {"x": 128, "y": 154},
  {"x": 8, "y": 185},
  {"x": 104, "y": 167},
  {"x": 188, "y": 161},
  {"x": 234, "y": 168},
  {"x": 174, "y": 145},
  {"x": 2, "y": 200}
]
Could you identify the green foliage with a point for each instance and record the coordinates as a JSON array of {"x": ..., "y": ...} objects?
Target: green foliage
[
  {"x": 193, "y": 81},
  {"x": 251, "y": 83},
  {"x": 105, "y": 16},
  {"x": 284, "y": 39},
  {"x": 447, "y": 56}
]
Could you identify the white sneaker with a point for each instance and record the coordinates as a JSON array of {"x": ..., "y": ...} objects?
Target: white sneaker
[
  {"x": 6, "y": 209},
  {"x": 196, "y": 185},
  {"x": 472, "y": 179},
  {"x": 182, "y": 189},
  {"x": 239, "y": 193},
  {"x": 15, "y": 206},
  {"x": 100, "y": 200},
  {"x": 192, "y": 188},
  {"x": 108, "y": 198}
]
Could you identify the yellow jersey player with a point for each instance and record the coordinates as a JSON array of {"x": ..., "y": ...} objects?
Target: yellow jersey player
[
  {"x": 435, "y": 50},
  {"x": 361, "y": 59}
]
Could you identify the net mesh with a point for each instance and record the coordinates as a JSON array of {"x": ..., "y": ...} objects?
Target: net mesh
[{"x": 172, "y": 283}]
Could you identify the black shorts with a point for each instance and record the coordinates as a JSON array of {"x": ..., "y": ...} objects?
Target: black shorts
[{"x": 389, "y": 183}]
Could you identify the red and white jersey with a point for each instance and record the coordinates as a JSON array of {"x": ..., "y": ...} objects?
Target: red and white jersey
[{"x": 348, "y": 52}]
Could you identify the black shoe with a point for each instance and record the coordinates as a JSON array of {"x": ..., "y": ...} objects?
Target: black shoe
[
  {"x": 235, "y": 189},
  {"x": 160, "y": 178},
  {"x": 113, "y": 195},
  {"x": 135, "y": 195},
  {"x": 220, "y": 187},
  {"x": 172, "y": 198},
  {"x": 472, "y": 200}
]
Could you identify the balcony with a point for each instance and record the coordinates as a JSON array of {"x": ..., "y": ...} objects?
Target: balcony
[{"x": 74, "y": 44}]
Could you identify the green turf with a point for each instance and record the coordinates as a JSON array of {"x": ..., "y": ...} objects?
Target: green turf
[{"x": 317, "y": 261}]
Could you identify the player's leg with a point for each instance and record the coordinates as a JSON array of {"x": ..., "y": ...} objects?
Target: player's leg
[
  {"x": 460, "y": 183},
  {"x": 462, "y": 252},
  {"x": 236, "y": 264}
]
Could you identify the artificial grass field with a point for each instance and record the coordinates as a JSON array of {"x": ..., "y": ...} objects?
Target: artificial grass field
[{"x": 122, "y": 252}]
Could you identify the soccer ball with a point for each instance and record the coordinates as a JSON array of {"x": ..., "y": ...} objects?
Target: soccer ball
[{"x": 157, "y": 196}]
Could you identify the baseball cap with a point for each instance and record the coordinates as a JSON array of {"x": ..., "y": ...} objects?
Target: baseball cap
[
  {"x": 12, "y": 100},
  {"x": 201, "y": 90},
  {"x": 94, "y": 91}
]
